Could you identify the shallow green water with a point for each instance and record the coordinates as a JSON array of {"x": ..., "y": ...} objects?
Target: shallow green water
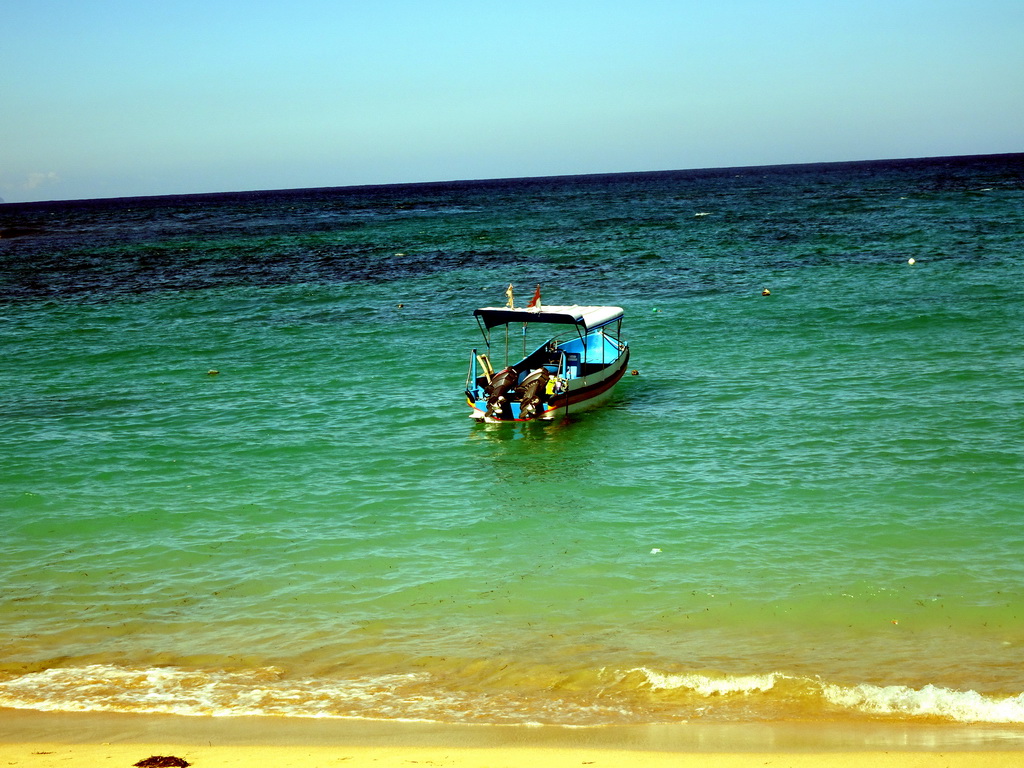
[{"x": 806, "y": 505}]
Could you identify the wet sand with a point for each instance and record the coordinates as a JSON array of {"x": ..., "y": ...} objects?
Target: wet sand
[{"x": 42, "y": 740}]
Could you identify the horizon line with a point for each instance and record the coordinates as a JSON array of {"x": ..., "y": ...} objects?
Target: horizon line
[{"x": 501, "y": 179}]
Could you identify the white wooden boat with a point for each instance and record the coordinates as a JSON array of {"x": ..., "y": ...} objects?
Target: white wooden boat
[{"x": 581, "y": 358}]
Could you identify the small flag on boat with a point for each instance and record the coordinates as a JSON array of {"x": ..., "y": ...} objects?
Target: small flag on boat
[
  {"x": 535, "y": 301},
  {"x": 508, "y": 292}
]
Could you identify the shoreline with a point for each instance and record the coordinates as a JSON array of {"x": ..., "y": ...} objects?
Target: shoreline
[
  {"x": 118, "y": 756},
  {"x": 33, "y": 739}
]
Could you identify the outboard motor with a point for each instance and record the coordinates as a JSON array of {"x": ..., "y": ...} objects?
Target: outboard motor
[
  {"x": 499, "y": 392},
  {"x": 531, "y": 391}
]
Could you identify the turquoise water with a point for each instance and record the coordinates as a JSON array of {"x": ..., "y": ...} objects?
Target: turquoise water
[{"x": 806, "y": 505}]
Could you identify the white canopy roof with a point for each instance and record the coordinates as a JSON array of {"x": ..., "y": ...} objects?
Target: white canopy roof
[{"x": 588, "y": 317}]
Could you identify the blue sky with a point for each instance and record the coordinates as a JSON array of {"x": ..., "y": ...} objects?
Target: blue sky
[{"x": 104, "y": 98}]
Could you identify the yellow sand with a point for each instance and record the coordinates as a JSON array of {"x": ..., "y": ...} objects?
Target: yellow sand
[
  {"x": 39, "y": 740},
  {"x": 48, "y": 755}
]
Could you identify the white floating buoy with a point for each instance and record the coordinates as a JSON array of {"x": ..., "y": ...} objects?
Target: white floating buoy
[{"x": 911, "y": 261}]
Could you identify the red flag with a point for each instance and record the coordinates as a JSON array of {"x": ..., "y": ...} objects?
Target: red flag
[{"x": 535, "y": 301}]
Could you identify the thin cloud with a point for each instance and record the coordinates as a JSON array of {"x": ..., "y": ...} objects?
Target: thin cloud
[{"x": 38, "y": 179}]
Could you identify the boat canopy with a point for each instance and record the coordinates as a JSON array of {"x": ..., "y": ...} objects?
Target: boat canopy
[{"x": 588, "y": 318}]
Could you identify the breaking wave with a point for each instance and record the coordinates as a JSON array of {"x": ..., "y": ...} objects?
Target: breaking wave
[
  {"x": 929, "y": 701},
  {"x": 899, "y": 701},
  {"x": 639, "y": 695},
  {"x": 708, "y": 685}
]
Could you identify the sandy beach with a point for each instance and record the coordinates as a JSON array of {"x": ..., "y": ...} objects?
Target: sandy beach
[
  {"x": 42, "y": 740},
  {"x": 44, "y": 755}
]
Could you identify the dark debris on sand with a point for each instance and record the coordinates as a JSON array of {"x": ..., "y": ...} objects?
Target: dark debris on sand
[{"x": 163, "y": 761}]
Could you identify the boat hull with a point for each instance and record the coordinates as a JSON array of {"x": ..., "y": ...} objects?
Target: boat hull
[
  {"x": 581, "y": 394},
  {"x": 580, "y": 360}
]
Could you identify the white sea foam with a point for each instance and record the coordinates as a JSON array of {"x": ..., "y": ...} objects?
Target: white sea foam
[
  {"x": 706, "y": 685},
  {"x": 417, "y": 696},
  {"x": 268, "y": 691},
  {"x": 171, "y": 690},
  {"x": 929, "y": 701}
]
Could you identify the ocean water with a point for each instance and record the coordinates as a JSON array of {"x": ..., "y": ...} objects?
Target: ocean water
[{"x": 807, "y": 505}]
